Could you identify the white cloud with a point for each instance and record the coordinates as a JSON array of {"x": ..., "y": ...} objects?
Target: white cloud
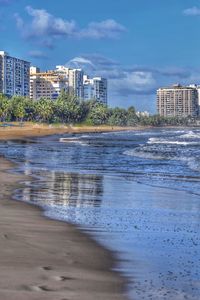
[
  {"x": 47, "y": 27},
  {"x": 105, "y": 29},
  {"x": 138, "y": 82},
  {"x": 44, "y": 24},
  {"x": 193, "y": 11},
  {"x": 80, "y": 62}
]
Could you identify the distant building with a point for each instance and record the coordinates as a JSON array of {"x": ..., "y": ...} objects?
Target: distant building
[
  {"x": 181, "y": 101},
  {"x": 14, "y": 75},
  {"x": 46, "y": 84},
  {"x": 75, "y": 80},
  {"x": 95, "y": 88},
  {"x": 49, "y": 84},
  {"x": 198, "y": 90},
  {"x": 142, "y": 114}
]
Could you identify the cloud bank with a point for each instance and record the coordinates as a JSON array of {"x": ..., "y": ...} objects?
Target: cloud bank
[
  {"x": 192, "y": 11},
  {"x": 48, "y": 28}
]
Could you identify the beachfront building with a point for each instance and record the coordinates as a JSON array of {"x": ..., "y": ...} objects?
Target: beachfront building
[
  {"x": 47, "y": 84},
  {"x": 50, "y": 83},
  {"x": 177, "y": 100},
  {"x": 197, "y": 87},
  {"x": 75, "y": 80},
  {"x": 14, "y": 75},
  {"x": 95, "y": 88}
]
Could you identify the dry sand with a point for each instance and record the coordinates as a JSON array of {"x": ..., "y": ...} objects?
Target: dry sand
[
  {"x": 31, "y": 130},
  {"x": 46, "y": 259}
]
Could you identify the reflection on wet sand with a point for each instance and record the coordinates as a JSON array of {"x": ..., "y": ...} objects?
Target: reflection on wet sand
[{"x": 64, "y": 189}]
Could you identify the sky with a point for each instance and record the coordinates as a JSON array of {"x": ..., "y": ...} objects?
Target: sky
[{"x": 139, "y": 45}]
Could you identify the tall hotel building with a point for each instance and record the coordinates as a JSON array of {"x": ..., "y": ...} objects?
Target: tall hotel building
[
  {"x": 75, "y": 80},
  {"x": 95, "y": 88},
  {"x": 181, "y": 101},
  {"x": 49, "y": 84},
  {"x": 46, "y": 84},
  {"x": 84, "y": 87},
  {"x": 14, "y": 75}
]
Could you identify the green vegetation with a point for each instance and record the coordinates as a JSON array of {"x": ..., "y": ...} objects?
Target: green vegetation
[{"x": 68, "y": 109}]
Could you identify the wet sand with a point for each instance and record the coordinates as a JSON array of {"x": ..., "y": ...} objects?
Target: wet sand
[{"x": 46, "y": 259}]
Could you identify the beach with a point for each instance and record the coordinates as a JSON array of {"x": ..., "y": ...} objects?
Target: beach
[
  {"x": 135, "y": 193},
  {"x": 36, "y": 130},
  {"x": 46, "y": 259}
]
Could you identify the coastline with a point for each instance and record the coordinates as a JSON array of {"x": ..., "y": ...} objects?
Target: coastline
[
  {"x": 28, "y": 130},
  {"x": 37, "y": 130},
  {"x": 46, "y": 259}
]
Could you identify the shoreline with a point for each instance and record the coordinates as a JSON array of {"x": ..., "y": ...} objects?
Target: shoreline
[
  {"x": 39, "y": 130},
  {"x": 28, "y": 130},
  {"x": 38, "y": 262}
]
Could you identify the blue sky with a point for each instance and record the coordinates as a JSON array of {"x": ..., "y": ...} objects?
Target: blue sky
[{"x": 138, "y": 45}]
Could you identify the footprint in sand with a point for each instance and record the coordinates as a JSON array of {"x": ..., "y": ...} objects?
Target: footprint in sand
[
  {"x": 62, "y": 278},
  {"x": 57, "y": 278},
  {"x": 47, "y": 268},
  {"x": 40, "y": 288}
]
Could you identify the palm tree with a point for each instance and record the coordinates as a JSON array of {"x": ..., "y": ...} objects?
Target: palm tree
[
  {"x": 4, "y": 108},
  {"x": 44, "y": 109}
]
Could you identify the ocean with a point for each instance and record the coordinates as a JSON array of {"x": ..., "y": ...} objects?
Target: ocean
[{"x": 137, "y": 193}]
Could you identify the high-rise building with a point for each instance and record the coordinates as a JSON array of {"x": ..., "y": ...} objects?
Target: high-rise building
[
  {"x": 49, "y": 84},
  {"x": 46, "y": 84},
  {"x": 181, "y": 101},
  {"x": 198, "y": 90},
  {"x": 75, "y": 80},
  {"x": 95, "y": 88},
  {"x": 14, "y": 75}
]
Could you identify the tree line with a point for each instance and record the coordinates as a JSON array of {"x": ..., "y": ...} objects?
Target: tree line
[{"x": 69, "y": 109}]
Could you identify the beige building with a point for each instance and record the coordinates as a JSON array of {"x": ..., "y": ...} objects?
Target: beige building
[
  {"x": 181, "y": 101},
  {"x": 46, "y": 84}
]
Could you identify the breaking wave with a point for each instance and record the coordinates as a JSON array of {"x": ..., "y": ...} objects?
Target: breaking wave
[
  {"x": 75, "y": 140},
  {"x": 171, "y": 141}
]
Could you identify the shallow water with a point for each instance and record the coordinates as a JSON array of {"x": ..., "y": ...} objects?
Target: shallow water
[{"x": 138, "y": 193}]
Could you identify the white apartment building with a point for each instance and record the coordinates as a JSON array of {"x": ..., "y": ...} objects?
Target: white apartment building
[
  {"x": 49, "y": 84},
  {"x": 46, "y": 84},
  {"x": 14, "y": 75},
  {"x": 75, "y": 80},
  {"x": 95, "y": 88}
]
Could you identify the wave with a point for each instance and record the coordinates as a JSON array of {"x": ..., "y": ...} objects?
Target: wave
[
  {"x": 85, "y": 136},
  {"x": 146, "y": 155},
  {"x": 191, "y": 135},
  {"x": 171, "y": 142},
  {"x": 193, "y": 164},
  {"x": 75, "y": 140}
]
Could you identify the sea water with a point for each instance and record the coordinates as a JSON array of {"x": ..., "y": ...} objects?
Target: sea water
[{"x": 136, "y": 192}]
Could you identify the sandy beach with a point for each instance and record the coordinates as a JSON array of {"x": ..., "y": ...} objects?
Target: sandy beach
[
  {"x": 34, "y": 130},
  {"x": 46, "y": 259}
]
